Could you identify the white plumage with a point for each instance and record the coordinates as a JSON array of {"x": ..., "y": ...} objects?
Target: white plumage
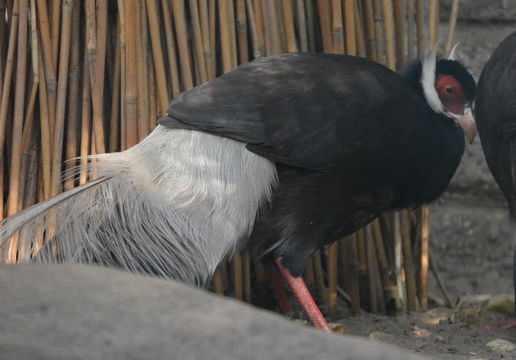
[{"x": 173, "y": 205}]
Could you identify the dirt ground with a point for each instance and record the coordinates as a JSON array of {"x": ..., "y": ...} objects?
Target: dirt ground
[{"x": 473, "y": 254}]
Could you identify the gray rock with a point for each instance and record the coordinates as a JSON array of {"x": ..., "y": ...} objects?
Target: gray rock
[
  {"x": 501, "y": 346},
  {"x": 80, "y": 312},
  {"x": 381, "y": 336}
]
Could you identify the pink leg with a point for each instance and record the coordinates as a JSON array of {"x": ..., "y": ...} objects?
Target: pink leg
[
  {"x": 501, "y": 325},
  {"x": 304, "y": 298}
]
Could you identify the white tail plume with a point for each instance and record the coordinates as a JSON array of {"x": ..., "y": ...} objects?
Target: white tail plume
[{"x": 174, "y": 205}]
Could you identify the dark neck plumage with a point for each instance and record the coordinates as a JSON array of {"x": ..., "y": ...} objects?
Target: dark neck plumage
[
  {"x": 412, "y": 74},
  {"x": 448, "y": 138}
]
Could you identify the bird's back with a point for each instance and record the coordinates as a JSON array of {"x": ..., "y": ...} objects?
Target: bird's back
[{"x": 496, "y": 116}]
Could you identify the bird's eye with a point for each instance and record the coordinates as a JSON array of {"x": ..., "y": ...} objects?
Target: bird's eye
[{"x": 448, "y": 89}]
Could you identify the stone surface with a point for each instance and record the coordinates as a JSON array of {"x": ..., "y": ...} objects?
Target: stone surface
[
  {"x": 501, "y": 303},
  {"x": 437, "y": 315},
  {"x": 501, "y": 346},
  {"x": 80, "y": 312},
  {"x": 381, "y": 336}
]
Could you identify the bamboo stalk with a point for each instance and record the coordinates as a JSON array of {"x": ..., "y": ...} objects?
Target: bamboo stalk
[
  {"x": 232, "y": 33},
  {"x": 184, "y": 56},
  {"x": 272, "y": 34},
  {"x": 171, "y": 49},
  {"x": 398, "y": 260},
  {"x": 28, "y": 124},
  {"x": 31, "y": 171},
  {"x": 452, "y": 25},
  {"x": 423, "y": 261},
  {"x": 310, "y": 21},
  {"x": 370, "y": 29},
  {"x": 440, "y": 283},
  {"x": 19, "y": 101},
  {"x": 212, "y": 9},
  {"x": 278, "y": 18},
  {"x": 49, "y": 61},
  {"x": 343, "y": 281},
  {"x": 399, "y": 27},
  {"x": 123, "y": 71},
  {"x": 157, "y": 55},
  {"x": 6, "y": 91},
  {"x": 388, "y": 18},
  {"x": 337, "y": 31},
  {"x": 260, "y": 28},
  {"x": 3, "y": 37},
  {"x": 131, "y": 81},
  {"x": 225, "y": 40},
  {"x": 301, "y": 24},
  {"x": 332, "y": 278},
  {"x": 114, "y": 128},
  {"x": 243, "y": 49},
  {"x": 420, "y": 19},
  {"x": 237, "y": 277},
  {"x": 372, "y": 270},
  {"x": 360, "y": 33},
  {"x": 218, "y": 283},
  {"x": 257, "y": 51},
  {"x": 379, "y": 35},
  {"x": 205, "y": 35},
  {"x": 383, "y": 264},
  {"x": 288, "y": 20},
  {"x": 410, "y": 273},
  {"x": 410, "y": 29},
  {"x": 27, "y": 135},
  {"x": 353, "y": 273},
  {"x": 28, "y": 157},
  {"x": 73, "y": 95},
  {"x": 198, "y": 41},
  {"x": 434, "y": 22},
  {"x": 153, "y": 99},
  {"x": 46, "y": 160},
  {"x": 56, "y": 21},
  {"x": 324, "y": 18},
  {"x": 246, "y": 265},
  {"x": 309, "y": 275},
  {"x": 64, "y": 56},
  {"x": 362, "y": 266},
  {"x": 142, "y": 71},
  {"x": 96, "y": 52},
  {"x": 350, "y": 28}
]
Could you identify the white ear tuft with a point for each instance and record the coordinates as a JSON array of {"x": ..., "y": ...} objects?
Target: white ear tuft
[
  {"x": 428, "y": 63},
  {"x": 453, "y": 52}
]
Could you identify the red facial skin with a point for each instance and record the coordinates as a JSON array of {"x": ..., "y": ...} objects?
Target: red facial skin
[{"x": 450, "y": 93}]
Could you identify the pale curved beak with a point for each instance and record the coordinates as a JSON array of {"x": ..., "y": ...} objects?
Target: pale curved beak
[{"x": 467, "y": 123}]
